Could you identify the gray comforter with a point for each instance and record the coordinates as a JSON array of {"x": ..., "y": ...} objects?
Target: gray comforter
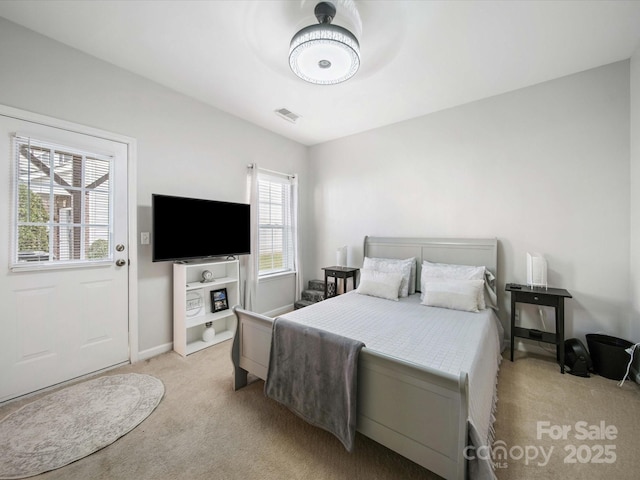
[{"x": 314, "y": 373}]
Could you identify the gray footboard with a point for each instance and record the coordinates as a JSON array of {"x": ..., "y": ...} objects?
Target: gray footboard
[
  {"x": 418, "y": 412},
  {"x": 251, "y": 346}
]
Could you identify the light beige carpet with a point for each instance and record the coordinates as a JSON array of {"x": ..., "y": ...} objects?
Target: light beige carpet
[
  {"x": 564, "y": 414},
  {"x": 202, "y": 429}
]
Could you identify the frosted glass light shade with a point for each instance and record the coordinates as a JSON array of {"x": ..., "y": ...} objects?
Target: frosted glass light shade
[
  {"x": 536, "y": 270},
  {"x": 324, "y": 54},
  {"x": 341, "y": 256}
]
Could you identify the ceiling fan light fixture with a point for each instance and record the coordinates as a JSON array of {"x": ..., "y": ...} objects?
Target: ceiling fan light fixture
[{"x": 324, "y": 54}]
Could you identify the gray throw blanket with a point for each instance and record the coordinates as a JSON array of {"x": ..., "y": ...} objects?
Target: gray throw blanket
[{"x": 314, "y": 373}]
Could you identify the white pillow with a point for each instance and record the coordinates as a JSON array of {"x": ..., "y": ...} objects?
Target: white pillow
[
  {"x": 393, "y": 265},
  {"x": 453, "y": 294},
  {"x": 379, "y": 284},
  {"x": 447, "y": 271}
]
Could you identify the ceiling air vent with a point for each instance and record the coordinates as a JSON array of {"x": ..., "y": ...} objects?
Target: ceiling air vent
[{"x": 287, "y": 115}]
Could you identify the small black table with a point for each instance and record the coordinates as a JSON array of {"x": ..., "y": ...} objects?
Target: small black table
[
  {"x": 336, "y": 273},
  {"x": 550, "y": 297}
]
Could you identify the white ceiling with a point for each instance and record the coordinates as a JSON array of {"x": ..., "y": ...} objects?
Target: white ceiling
[{"x": 417, "y": 56}]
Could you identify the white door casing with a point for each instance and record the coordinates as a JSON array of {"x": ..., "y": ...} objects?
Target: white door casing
[{"x": 62, "y": 323}]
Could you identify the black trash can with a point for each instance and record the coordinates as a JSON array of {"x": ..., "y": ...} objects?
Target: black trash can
[{"x": 608, "y": 355}]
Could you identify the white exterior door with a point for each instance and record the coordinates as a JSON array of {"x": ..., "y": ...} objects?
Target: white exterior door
[{"x": 64, "y": 294}]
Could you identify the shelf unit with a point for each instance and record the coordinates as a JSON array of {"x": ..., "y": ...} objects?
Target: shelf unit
[{"x": 192, "y": 304}]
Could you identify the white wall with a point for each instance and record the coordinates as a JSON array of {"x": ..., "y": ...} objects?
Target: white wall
[
  {"x": 184, "y": 147},
  {"x": 634, "y": 321},
  {"x": 545, "y": 168}
]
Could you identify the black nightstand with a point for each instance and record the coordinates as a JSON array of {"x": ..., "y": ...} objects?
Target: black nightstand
[
  {"x": 549, "y": 297},
  {"x": 339, "y": 272}
]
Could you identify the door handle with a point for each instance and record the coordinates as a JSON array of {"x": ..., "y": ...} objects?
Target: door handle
[{"x": 121, "y": 262}]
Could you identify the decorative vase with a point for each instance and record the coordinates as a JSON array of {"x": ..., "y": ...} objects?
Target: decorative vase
[{"x": 209, "y": 333}]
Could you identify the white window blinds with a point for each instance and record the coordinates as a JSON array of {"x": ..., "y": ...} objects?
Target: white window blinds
[
  {"x": 276, "y": 242},
  {"x": 63, "y": 207}
]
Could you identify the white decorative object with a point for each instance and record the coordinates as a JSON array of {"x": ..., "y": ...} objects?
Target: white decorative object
[
  {"x": 341, "y": 256},
  {"x": 195, "y": 303},
  {"x": 209, "y": 333},
  {"x": 207, "y": 276},
  {"x": 536, "y": 270}
]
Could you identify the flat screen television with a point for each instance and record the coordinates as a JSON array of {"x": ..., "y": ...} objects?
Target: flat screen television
[{"x": 192, "y": 228}]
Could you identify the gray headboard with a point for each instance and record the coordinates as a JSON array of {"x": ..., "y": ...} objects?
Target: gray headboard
[{"x": 460, "y": 251}]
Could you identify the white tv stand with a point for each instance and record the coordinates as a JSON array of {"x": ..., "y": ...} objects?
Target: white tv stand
[{"x": 192, "y": 304}]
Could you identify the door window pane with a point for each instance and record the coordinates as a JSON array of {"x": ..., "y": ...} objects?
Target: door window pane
[{"x": 63, "y": 202}]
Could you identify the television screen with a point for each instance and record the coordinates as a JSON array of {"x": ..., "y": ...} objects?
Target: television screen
[{"x": 190, "y": 228}]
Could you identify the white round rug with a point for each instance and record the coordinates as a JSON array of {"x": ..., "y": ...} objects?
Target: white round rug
[{"x": 74, "y": 422}]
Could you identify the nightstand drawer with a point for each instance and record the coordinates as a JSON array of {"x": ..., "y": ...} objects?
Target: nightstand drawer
[{"x": 537, "y": 298}]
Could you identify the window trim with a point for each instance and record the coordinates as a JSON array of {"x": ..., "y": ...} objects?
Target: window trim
[{"x": 276, "y": 276}]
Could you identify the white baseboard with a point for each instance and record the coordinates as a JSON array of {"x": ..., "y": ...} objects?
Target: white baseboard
[
  {"x": 634, "y": 371},
  {"x": 167, "y": 347},
  {"x": 155, "y": 351}
]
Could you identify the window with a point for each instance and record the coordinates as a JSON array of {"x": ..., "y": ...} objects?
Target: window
[
  {"x": 275, "y": 218},
  {"x": 62, "y": 205}
]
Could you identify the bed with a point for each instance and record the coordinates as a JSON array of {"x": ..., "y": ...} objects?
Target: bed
[{"x": 430, "y": 400}]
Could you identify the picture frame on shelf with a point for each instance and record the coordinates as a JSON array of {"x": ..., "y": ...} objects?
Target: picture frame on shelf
[{"x": 219, "y": 301}]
